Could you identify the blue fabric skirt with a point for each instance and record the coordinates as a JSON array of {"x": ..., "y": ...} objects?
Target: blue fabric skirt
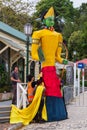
[{"x": 56, "y": 109}]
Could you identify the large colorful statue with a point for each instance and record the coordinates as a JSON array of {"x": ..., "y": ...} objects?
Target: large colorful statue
[{"x": 50, "y": 42}]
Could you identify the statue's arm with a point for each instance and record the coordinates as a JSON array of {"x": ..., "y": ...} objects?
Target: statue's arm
[
  {"x": 58, "y": 53},
  {"x": 34, "y": 49},
  {"x": 59, "y": 49},
  {"x": 35, "y": 45}
]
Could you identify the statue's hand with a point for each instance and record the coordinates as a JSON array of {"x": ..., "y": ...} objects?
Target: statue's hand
[{"x": 65, "y": 61}]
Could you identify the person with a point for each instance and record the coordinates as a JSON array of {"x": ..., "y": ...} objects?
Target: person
[
  {"x": 47, "y": 48},
  {"x": 31, "y": 86},
  {"x": 15, "y": 79}
]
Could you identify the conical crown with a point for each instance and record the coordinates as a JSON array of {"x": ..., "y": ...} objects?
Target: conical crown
[{"x": 50, "y": 13}]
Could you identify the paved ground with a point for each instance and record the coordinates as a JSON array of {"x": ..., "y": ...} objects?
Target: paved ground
[
  {"x": 76, "y": 121},
  {"x": 77, "y": 113},
  {"x": 5, "y": 103}
]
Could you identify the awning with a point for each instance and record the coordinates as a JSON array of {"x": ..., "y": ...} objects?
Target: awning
[
  {"x": 11, "y": 44},
  {"x": 15, "y": 46}
]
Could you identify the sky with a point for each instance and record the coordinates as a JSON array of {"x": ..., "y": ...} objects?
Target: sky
[{"x": 76, "y": 3}]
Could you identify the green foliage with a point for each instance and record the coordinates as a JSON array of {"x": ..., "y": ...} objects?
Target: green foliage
[
  {"x": 5, "y": 88},
  {"x": 75, "y": 33},
  {"x": 85, "y": 83},
  {"x": 15, "y": 13},
  {"x": 4, "y": 83},
  {"x": 76, "y": 42},
  {"x": 67, "y": 29},
  {"x": 3, "y": 76}
]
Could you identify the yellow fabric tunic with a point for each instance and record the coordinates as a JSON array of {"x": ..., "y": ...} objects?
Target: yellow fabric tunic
[{"x": 51, "y": 44}]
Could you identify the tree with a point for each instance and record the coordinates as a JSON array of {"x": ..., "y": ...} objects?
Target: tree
[
  {"x": 15, "y": 13},
  {"x": 76, "y": 43},
  {"x": 78, "y": 38}
]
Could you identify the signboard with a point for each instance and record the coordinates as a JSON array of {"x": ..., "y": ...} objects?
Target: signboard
[{"x": 80, "y": 65}]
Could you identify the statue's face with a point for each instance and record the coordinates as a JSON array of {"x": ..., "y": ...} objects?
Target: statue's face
[{"x": 49, "y": 22}]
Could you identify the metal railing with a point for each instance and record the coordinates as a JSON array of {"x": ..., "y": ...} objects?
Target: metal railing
[{"x": 22, "y": 100}]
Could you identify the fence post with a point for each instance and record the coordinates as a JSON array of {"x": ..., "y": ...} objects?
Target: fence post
[
  {"x": 18, "y": 95},
  {"x": 83, "y": 80},
  {"x": 74, "y": 80},
  {"x": 24, "y": 100},
  {"x": 79, "y": 81}
]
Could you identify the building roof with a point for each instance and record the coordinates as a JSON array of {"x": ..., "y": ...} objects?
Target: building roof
[
  {"x": 15, "y": 33},
  {"x": 84, "y": 61},
  {"x": 11, "y": 43},
  {"x": 8, "y": 29}
]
